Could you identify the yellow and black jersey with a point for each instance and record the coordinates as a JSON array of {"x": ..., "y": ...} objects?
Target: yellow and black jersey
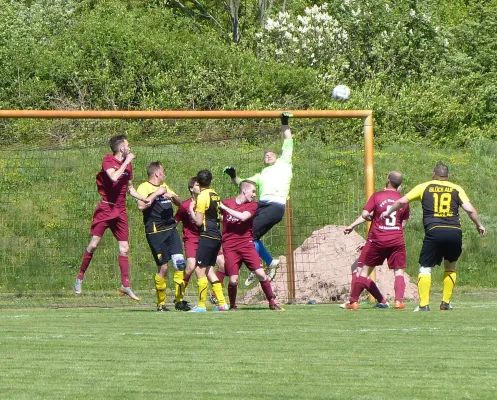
[
  {"x": 440, "y": 201},
  {"x": 208, "y": 203},
  {"x": 159, "y": 216}
]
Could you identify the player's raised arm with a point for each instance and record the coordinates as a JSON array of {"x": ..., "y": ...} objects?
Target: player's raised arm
[
  {"x": 231, "y": 172},
  {"x": 115, "y": 174},
  {"x": 287, "y": 133}
]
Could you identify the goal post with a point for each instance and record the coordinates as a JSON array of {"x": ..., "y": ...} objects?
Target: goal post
[{"x": 365, "y": 115}]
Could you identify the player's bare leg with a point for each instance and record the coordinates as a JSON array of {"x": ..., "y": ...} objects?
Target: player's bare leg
[{"x": 190, "y": 269}]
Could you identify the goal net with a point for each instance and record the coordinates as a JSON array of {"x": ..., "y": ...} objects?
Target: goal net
[{"x": 48, "y": 196}]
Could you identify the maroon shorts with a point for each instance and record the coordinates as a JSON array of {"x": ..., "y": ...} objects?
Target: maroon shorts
[
  {"x": 374, "y": 254},
  {"x": 233, "y": 258},
  {"x": 191, "y": 248},
  {"x": 113, "y": 217}
]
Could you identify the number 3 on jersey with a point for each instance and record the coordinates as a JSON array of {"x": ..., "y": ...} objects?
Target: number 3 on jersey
[{"x": 392, "y": 219}]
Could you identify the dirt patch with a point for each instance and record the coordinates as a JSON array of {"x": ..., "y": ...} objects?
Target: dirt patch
[{"x": 323, "y": 269}]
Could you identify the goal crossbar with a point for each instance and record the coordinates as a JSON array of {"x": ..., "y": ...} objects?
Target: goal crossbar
[{"x": 172, "y": 114}]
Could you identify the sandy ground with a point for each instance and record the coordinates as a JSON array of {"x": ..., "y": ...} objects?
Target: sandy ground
[{"x": 323, "y": 266}]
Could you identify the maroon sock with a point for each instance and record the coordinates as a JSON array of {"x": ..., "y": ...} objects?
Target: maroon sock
[
  {"x": 85, "y": 264},
  {"x": 375, "y": 292},
  {"x": 187, "y": 279},
  {"x": 268, "y": 291},
  {"x": 220, "y": 275},
  {"x": 232, "y": 290},
  {"x": 359, "y": 284},
  {"x": 124, "y": 266},
  {"x": 399, "y": 287}
]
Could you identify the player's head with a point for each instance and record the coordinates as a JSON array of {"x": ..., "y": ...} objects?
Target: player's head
[
  {"x": 441, "y": 171},
  {"x": 204, "y": 178},
  {"x": 248, "y": 189},
  {"x": 270, "y": 157},
  {"x": 394, "y": 180},
  {"x": 193, "y": 186},
  {"x": 155, "y": 171},
  {"x": 119, "y": 143}
]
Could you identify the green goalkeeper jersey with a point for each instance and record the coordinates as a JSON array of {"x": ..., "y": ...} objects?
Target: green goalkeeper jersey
[{"x": 273, "y": 182}]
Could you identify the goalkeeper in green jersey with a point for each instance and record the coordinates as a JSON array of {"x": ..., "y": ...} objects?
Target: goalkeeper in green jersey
[{"x": 273, "y": 184}]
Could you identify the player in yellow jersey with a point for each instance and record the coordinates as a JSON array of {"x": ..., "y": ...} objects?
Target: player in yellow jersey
[
  {"x": 205, "y": 213},
  {"x": 440, "y": 200},
  {"x": 162, "y": 236}
]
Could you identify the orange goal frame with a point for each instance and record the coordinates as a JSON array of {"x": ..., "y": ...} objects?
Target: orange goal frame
[{"x": 365, "y": 115}]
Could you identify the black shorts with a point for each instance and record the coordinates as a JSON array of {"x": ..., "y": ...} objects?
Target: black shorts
[
  {"x": 207, "y": 251},
  {"x": 164, "y": 244},
  {"x": 440, "y": 243},
  {"x": 266, "y": 216}
]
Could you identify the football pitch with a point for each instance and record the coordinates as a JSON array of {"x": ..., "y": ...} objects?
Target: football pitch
[{"x": 306, "y": 352}]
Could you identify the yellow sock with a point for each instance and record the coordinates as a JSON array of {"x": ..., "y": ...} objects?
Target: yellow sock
[
  {"x": 160, "y": 289},
  {"x": 179, "y": 280},
  {"x": 217, "y": 288},
  {"x": 449, "y": 283},
  {"x": 202, "y": 291},
  {"x": 424, "y": 285}
]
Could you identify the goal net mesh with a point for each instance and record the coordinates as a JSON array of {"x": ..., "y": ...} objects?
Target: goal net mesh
[{"x": 48, "y": 196}]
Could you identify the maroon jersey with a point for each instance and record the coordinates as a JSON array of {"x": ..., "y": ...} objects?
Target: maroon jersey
[
  {"x": 113, "y": 192},
  {"x": 236, "y": 232},
  {"x": 387, "y": 232},
  {"x": 190, "y": 230}
]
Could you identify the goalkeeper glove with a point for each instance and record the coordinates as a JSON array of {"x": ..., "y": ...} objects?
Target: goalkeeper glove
[
  {"x": 284, "y": 118},
  {"x": 231, "y": 171}
]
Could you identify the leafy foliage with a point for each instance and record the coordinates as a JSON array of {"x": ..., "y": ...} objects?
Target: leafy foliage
[{"x": 426, "y": 68}]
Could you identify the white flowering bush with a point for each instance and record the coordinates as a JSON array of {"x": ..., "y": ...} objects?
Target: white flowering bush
[
  {"x": 355, "y": 39},
  {"x": 315, "y": 39}
]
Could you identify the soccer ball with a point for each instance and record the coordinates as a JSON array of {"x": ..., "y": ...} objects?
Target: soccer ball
[{"x": 341, "y": 92}]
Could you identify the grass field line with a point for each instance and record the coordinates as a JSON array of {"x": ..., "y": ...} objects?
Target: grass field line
[{"x": 273, "y": 331}]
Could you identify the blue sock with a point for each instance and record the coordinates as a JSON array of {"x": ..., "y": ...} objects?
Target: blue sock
[{"x": 263, "y": 253}]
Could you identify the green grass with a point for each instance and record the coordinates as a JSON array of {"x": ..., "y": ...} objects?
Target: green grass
[{"x": 307, "y": 352}]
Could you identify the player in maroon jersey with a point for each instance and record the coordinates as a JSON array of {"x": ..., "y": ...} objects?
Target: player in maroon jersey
[
  {"x": 113, "y": 181},
  {"x": 191, "y": 238},
  {"x": 385, "y": 242},
  {"x": 238, "y": 245}
]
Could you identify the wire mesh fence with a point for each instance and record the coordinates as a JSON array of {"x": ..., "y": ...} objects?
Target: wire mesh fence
[{"x": 47, "y": 198}]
